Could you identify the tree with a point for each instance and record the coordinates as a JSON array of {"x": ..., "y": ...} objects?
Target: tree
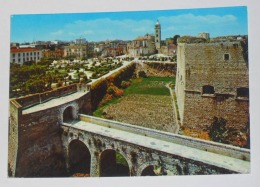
[{"x": 175, "y": 39}]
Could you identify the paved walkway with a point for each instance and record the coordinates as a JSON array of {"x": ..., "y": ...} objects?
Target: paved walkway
[{"x": 165, "y": 146}]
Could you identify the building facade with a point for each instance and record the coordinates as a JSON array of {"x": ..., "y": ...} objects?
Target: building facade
[
  {"x": 140, "y": 46},
  {"x": 21, "y": 55},
  {"x": 212, "y": 82},
  {"x": 76, "y": 51},
  {"x": 204, "y": 35}
]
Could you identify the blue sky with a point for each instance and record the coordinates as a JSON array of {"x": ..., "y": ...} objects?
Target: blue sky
[{"x": 128, "y": 25}]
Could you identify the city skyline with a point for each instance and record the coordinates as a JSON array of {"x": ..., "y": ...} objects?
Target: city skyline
[{"x": 128, "y": 25}]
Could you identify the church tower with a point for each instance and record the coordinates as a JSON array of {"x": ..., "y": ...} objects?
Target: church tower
[{"x": 157, "y": 29}]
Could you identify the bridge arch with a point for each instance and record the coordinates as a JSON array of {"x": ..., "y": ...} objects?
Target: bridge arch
[
  {"x": 146, "y": 169},
  {"x": 113, "y": 163},
  {"x": 79, "y": 158},
  {"x": 68, "y": 113}
]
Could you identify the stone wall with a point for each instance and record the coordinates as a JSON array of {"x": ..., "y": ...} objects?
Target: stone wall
[
  {"x": 221, "y": 65},
  {"x": 36, "y": 138},
  {"x": 34, "y": 99},
  {"x": 15, "y": 113},
  {"x": 137, "y": 157}
]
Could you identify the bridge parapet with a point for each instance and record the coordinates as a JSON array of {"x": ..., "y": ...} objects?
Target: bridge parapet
[
  {"x": 214, "y": 147},
  {"x": 143, "y": 151}
]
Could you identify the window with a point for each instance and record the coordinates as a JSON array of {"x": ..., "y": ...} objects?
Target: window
[
  {"x": 226, "y": 56},
  {"x": 207, "y": 89},
  {"x": 13, "y": 55},
  {"x": 243, "y": 92}
]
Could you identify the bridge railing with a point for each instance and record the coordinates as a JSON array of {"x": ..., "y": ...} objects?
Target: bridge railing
[{"x": 214, "y": 147}]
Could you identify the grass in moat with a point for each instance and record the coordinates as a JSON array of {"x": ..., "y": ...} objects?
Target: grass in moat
[
  {"x": 145, "y": 86},
  {"x": 150, "y": 86}
]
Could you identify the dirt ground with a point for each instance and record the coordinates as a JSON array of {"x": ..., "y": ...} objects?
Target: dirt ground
[{"x": 143, "y": 110}]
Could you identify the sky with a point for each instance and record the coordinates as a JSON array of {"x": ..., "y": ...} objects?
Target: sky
[{"x": 128, "y": 25}]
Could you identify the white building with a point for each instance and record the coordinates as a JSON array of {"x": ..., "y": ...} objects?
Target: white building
[
  {"x": 21, "y": 55},
  {"x": 140, "y": 46},
  {"x": 204, "y": 35}
]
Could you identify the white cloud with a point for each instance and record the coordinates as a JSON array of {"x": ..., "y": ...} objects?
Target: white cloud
[
  {"x": 106, "y": 28},
  {"x": 57, "y": 33},
  {"x": 191, "y": 24}
]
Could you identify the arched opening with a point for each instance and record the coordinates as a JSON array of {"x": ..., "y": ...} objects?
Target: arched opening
[
  {"x": 207, "y": 89},
  {"x": 112, "y": 163},
  {"x": 79, "y": 159},
  {"x": 68, "y": 114},
  {"x": 148, "y": 171}
]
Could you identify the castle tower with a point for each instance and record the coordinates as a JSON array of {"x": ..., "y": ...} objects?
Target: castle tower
[{"x": 157, "y": 29}]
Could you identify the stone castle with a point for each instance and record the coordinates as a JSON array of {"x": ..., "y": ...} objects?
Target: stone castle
[{"x": 212, "y": 81}]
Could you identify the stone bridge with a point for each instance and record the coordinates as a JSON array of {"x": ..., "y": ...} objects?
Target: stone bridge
[{"x": 91, "y": 145}]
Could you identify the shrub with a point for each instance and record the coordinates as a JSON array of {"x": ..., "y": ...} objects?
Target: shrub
[
  {"x": 142, "y": 74},
  {"x": 125, "y": 84},
  {"x": 110, "y": 90},
  {"x": 218, "y": 131}
]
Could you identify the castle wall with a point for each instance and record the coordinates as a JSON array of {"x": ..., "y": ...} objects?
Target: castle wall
[
  {"x": 205, "y": 64},
  {"x": 199, "y": 111},
  {"x": 180, "y": 81},
  {"x": 15, "y": 113},
  {"x": 34, "y": 99},
  {"x": 40, "y": 152}
]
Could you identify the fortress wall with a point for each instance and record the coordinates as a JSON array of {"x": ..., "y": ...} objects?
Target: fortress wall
[
  {"x": 200, "y": 111},
  {"x": 180, "y": 80},
  {"x": 168, "y": 67},
  {"x": 15, "y": 113},
  {"x": 40, "y": 151},
  {"x": 34, "y": 99},
  {"x": 98, "y": 88},
  {"x": 205, "y": 64}
]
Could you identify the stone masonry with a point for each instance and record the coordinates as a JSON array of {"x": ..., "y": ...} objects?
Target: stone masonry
[{"x": 212, "y": 81}]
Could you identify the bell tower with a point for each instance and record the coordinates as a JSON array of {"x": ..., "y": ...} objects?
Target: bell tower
[{"x": 157, "y": 29}]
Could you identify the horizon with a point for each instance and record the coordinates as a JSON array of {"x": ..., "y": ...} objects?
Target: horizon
[{"x": 128, "y": 25}]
